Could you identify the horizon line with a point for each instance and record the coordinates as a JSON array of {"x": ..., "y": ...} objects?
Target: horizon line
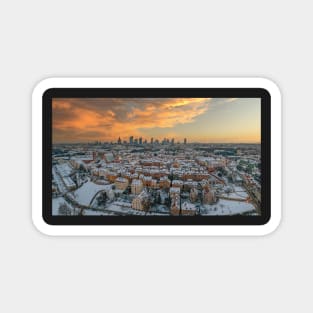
[{"x": 149, "y": 143}]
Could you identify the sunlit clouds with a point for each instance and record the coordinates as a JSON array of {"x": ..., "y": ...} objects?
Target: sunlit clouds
[{"x": 107, "y": 119}]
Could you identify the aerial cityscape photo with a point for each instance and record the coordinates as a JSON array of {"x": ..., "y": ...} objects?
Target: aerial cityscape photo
[{"x": 156, "y": 156}]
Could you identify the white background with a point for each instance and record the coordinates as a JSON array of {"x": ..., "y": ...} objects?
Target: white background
[{"x": 40, "y": 39}]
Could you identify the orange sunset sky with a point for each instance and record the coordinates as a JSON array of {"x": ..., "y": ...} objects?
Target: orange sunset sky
[{"x": 211, "y": 120}]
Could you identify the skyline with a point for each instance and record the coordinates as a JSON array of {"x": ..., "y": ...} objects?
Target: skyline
[{"x": 202, "y": 120}]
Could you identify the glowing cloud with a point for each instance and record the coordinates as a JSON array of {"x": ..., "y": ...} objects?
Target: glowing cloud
[{"x": 107, "y": 119}]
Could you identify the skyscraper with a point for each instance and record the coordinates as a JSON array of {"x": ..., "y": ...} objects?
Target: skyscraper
[
  {"x": 185, "y": 140},
  {"x": 131, "y": 140},
  {"x": 151, "y": 141},
  {"x": 140, "y": 140}
]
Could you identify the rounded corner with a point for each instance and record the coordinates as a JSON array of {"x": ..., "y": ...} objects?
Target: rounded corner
[
  {"x": 271, "y": 225},
  {"x": 270, "y": 86},
  {"x": 41, "y": 225},
  {"x": 42, "y": 86}
]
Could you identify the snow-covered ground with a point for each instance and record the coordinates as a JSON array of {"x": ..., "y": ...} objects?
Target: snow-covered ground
[
  {"x": 86, "y": 192},
  {"x": 88, "y": 212},
  {"x": 227, "y": 207},
  {"x": 242, "y": 195},
  {"x": 118, "y": 207},
  {"x": 123, "y": 207},
  {"x": 236, "y": 192},
  {"x": 56, "y": 202},
  {"x": 161, "y": 209}
]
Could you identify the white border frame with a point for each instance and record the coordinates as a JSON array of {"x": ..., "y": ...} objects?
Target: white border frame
[{"x": 156, "y": 230}]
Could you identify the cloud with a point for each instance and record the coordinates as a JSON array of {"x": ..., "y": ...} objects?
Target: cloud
[
  {"x": 227, "y": 100},
  {"x": 109, "y": 118}
]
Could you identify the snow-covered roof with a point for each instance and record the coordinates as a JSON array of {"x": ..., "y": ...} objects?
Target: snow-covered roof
[
  {"x": 64, "y": 169},
  {"x": 188, "y": 206},
  {"x": 121, "y": 180},
  {"x": 86, "y": 192},
  {"x": 136, "y": 182},
  {"x": 177, "y": 181},
  {"x": 174, "y": 190}
]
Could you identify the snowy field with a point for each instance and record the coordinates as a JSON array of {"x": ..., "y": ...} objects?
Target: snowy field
[
  {"x": 241, "y": 195},
  {"x": 86, "y": 192},
  {"x": 236, "y": 192},
  {"x": 227, "y": 207}
]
